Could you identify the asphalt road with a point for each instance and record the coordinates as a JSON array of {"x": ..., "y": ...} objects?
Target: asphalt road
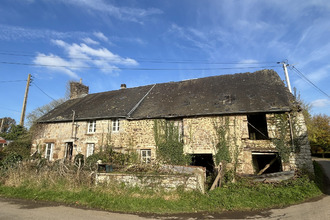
[{"x": 23, "y": 209}]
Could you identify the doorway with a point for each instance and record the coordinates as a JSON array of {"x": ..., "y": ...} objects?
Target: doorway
[
  {"x": 203, "y": 160},
  {"x": 69, "y": 151}
]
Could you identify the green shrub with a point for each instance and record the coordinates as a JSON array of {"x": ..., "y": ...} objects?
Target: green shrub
[
  {"x": 171, "y": 152},
  {"x": 20, "y": 147},
  {"x": 11, "y": 160},
  {"x": 79, "y": 158}
]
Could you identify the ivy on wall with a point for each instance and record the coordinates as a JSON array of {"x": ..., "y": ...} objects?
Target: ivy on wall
[
  {"x": 169, "y": 143},
  {"x": 288, "y": 139},
  {"x": 281, "y": 142},
  {"x": 221, "y": 127}
]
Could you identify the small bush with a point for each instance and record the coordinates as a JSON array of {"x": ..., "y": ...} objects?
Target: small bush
[
  {"x": 11, "y": 160},
  {"x": 20, "y": 147},
  {"x": 79, "y": 160}
]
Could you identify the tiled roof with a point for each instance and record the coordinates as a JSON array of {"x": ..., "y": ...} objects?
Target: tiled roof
[{"x": 261, "y": 91}]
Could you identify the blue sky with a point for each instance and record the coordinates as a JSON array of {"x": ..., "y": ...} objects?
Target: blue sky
[{"x": 141, "y": 42}]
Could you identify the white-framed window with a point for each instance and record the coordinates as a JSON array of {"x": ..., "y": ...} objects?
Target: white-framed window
[
  {"x": 49, "y": 151},
  {"x": 115, "y": 125},
  {"x": 146, "y": 156},
  {"x": 91, "y": 128},
  {"x": 90, "y": 149}
]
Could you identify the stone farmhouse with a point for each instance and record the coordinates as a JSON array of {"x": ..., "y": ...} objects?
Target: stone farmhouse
[{"x": 252, "y": 114}]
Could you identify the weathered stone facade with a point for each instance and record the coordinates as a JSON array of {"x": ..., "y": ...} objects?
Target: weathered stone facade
[
  {"x": 188, "y": 177},
  {"x": 199, "y": 137},
  {"x": 166, "y": 182}
]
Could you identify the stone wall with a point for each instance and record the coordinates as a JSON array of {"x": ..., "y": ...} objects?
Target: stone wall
[
  {"x": 132, "y": 136},
  {"x": 199, "y": 136},
  {"x": 301, "y": 158},
  {"x": 154, "y": 181}
]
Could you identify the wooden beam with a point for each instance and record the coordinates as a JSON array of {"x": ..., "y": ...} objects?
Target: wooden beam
[
  {"x": 218, "y": 178},
  {"x": 267, "y": 166}
]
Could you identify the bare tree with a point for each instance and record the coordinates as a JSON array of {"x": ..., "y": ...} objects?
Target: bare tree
[{"x": 33, "y": 116}]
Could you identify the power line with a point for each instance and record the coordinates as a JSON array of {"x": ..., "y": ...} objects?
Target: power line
[
  {"x": 140, "y": 59},
  {"x": 309, "y": 81},
  {"x": 11, "y": 81},
  {"x": 132, "y": 68},
  {"x": 43, "y": 91}
]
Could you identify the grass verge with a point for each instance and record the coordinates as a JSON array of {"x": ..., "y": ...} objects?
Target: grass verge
[{"x": 243, "y": 195}]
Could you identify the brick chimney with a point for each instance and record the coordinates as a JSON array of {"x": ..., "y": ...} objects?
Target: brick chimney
[
  {"x": 123, "y": 86},
  {"x": 78, "y": 90}
]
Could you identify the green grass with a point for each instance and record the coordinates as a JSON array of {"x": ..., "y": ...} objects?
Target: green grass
[
  {"x": 243, "y": 195},
  {"x": 68, "y": 186}
]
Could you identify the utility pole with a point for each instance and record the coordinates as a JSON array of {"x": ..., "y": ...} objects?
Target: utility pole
[
  {"x": 285, "y": 64},
  {"x": 1, "y": 124},
  {"x": 25, "y": 100}
]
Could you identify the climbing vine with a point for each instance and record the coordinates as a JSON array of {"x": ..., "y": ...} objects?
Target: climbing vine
[
  {"x": 169, "y": 143},
  {"x": 289, "y": 130},
  {"x": 281, "y": 142},
  {"x": 221, "y": 128},
  {"x": 236, "y": 147},
  {"x": 296, "y": 131}
]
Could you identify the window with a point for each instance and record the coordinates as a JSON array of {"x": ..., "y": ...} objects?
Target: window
[
  {"x": 257, "y": 125},
  {"x": 90, "y": 149},
  {"x": 146, "y": 156},
  {"x": 49, "y": 151},
  {"x": 115, "y": 125},
  {"x": 91, "y": 127}
]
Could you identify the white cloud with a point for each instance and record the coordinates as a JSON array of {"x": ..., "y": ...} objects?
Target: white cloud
[
  {"x": 101, "y": 36},
  {"x": 55, "y": 63},
  {"x": 122, "y": 13},
  {"x": 82, "y": 56},
  {"x": 84, "y": 51},
  {"x": 88, "y": 40},
  {"x": 320, "y": 103},
  {"x": 249, "y": 61},
  {"x": 10, "y": 33}
]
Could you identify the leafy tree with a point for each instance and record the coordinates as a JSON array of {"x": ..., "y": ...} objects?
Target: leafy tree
[
  {"x": 318, "y": 128},
  {"x": 6, "y": 124},
  {"x": 319, "y": 132},
  {"x": 21, "y": 145},
  {"x": 15, "y": 132}
]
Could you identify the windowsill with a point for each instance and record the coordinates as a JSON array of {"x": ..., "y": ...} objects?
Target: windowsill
[
  {"x": 268, "y": 139},
  {"x": 263, "y": 140}
]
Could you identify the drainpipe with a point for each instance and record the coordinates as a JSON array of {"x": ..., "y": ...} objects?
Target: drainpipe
[
  {"x": 291, "y": 131},
  {"x": 72, "y": 130}
]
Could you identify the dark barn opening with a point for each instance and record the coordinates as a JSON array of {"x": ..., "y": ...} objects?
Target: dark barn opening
[
  {"x": 257, "y": 125},
  {"x": 261, "y": 160},
  {"x": 203, "y": 160}
]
